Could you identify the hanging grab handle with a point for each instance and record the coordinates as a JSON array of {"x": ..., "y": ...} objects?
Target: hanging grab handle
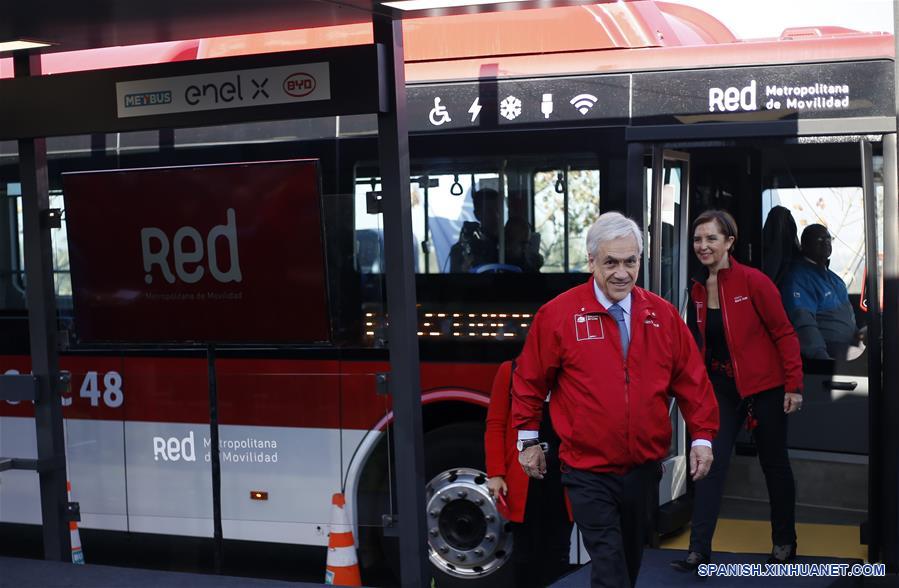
[
  {"x": 456, "y": 189},
  {"x": 560, "y": 183}
]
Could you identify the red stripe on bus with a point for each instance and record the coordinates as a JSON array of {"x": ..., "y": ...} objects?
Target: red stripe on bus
[{"x": 254, "y": 392}]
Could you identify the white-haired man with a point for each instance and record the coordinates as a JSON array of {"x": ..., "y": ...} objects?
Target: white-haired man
[{"x": 612, "y": 354}]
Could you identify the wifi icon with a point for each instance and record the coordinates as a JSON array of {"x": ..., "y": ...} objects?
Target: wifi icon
[{"x": 584, "y": 102}]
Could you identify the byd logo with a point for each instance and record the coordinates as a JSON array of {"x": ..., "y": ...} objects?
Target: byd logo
[
  {"x": 188, "y": 259},
  {"x": 174, "y": 449},
  {"x": 733, "y": 99},
  {"x": 299, "y": 85}
]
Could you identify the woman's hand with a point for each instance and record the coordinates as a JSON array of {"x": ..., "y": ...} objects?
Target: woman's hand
[
  {"x": 792, "y": 402},
  {"x": 497, "y": 486}
]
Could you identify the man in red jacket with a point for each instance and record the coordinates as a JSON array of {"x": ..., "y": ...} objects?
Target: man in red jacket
[{"x": 612, "y": 354}]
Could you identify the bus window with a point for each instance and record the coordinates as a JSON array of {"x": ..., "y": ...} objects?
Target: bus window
[
  {"x": 447, "y": 199},
  {"x": 841, "y": 210},
  {"x": 450, "y": 206},
  {"x": 369, "y": 229},
  {"x": 673, "y": 275},
  {"x": 566, "y": 202},
  {"x": 544, "y": 215},
  {"x": 59, "y": 241}
]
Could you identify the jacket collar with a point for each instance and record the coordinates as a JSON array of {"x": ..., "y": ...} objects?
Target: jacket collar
[
  {"x": 701, "y": 275},
  {"x": 587, "y": 297},
  {"x": 625, "y": 303}
]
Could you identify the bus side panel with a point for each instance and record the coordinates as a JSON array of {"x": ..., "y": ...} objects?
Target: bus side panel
[
  {"x": 95, "y": 461},
  {"x": 20, "y": 497}
]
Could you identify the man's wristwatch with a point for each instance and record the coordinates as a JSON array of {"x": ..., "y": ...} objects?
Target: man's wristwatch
[{"x": 525, "y": 443}]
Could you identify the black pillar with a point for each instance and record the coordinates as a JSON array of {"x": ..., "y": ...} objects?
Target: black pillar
[
  {"x": 405, "y": 386},
  {"x": 634, "y": 205},
  {"x": 889, "y": 415},
  {"x": 41, "y": 299}
]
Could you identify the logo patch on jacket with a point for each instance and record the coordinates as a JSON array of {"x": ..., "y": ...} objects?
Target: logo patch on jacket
[
  {"x": 588, "y": 326},
  {"x": 741, "y": 298}
]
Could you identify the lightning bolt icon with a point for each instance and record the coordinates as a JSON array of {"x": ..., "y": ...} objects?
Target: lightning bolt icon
[{"x": 475, "y": 109}]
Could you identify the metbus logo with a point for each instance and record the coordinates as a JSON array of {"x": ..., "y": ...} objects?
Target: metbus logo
[
  {"x": 155, "y": 249},
  {"x": 148, "y": 98},
  {"x": 733, "y": 99},
  {"x": 299, "y": 84}
]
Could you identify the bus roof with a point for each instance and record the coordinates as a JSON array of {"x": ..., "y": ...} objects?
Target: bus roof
[{"x": 622, "y": 36}]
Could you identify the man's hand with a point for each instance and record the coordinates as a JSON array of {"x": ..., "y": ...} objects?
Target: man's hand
[
  {"x": 792, "y": 402},
  {"x": 700, "y": 461},
  {"x": 533, "y": 462},
  {"x": 497, "y": 486}
]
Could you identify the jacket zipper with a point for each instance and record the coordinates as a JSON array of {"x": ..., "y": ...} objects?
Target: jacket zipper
[
  {"x": 722, "y": 300},
  {"x": 627, "y": 407},
  {"x": 627, "y": 402}
]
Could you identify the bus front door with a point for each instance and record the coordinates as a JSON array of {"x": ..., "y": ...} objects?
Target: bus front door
[{"x": 666, "y": 189}]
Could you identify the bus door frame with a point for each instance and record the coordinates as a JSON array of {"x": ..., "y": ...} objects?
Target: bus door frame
[
  {"x": 660, "y": 156},
  {"x": 675, "y": 472},
  {"x": 639, "y": 208},
  {"x": 881, "y": 532},
  {"x": 888, "y": 410}
]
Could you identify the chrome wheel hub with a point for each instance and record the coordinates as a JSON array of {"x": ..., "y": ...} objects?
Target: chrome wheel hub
[{"x": 467, "y": 537}]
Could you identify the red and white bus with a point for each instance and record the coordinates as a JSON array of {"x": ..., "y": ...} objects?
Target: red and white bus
[{"x": 652, "y": 108}]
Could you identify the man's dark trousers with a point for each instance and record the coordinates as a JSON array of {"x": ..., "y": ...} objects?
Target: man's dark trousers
[{"x": 610, "y": 512}]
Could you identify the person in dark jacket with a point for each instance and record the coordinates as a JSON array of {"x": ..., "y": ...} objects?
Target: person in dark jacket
[
  {"x": 613, "y": 355},
  {"x": 541, "y": 526},
  {"x": 478, "y": 240},
  {"x": 817, "y": 301},
  {"x": 752, "y": 355},
  {"x": 781, "y": 245}
]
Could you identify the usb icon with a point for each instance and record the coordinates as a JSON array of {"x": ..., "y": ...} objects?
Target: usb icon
[{"x": 546, "y": 107}]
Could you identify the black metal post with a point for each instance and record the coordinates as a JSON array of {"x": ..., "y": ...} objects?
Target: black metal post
[
  {"x": 890, "y": 317},
  {"x": 889, "y": 415},
  {"x": 405, "y": 383},
  {"x": 214, "y": 461},
  {"x": 42, "y": 325},
  {"x": 655, "y": 220},
  {"x": 876, "y": 454},
  {"x": 634, "y": 205}
]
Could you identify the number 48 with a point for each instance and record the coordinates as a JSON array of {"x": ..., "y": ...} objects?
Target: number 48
[{"x": 112, "y": 389}]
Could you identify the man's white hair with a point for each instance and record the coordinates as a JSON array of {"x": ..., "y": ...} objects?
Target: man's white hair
[{"x": 610, "y": 226}]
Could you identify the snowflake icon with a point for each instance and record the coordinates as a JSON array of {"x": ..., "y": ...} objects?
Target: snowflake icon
[{"x": 510, "y": 107}]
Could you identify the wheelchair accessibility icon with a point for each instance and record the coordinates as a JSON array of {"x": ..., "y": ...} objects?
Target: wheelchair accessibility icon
[{"x": 438, "y": 114}]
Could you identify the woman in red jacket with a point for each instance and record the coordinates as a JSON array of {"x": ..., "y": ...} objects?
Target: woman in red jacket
[
  {"x": 541, "y": 526},
  {"x": 752, "y": 356}
]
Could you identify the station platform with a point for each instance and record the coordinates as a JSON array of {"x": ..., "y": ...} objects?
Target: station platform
[
  {"x": 18, "y": 572},
  {"x": 655, "y": 572}
]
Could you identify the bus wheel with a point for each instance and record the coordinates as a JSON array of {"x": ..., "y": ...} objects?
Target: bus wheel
[{"x": 469, "y": 542}]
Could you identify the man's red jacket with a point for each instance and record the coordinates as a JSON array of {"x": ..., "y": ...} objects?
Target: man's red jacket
[
  {"x": 763, "y": 345},
  {"x": 611, "y": 414}
]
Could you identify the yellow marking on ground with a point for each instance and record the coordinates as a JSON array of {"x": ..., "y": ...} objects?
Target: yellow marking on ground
[{"x": 743, "y": 536}]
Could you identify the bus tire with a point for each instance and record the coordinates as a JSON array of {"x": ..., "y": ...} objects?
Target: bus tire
[{"x": 460, "y": 517}]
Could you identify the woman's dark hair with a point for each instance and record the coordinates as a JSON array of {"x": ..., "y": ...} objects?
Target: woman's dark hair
[{"x": 725, "y": 221}]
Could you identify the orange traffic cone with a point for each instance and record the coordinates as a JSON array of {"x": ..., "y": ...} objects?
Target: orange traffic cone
[
  {"x": 342, "y": 568},
  {"x": 77, "y": 553}
]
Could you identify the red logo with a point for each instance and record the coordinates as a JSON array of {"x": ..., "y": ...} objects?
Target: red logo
[{"x": 299, "y": 85}]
